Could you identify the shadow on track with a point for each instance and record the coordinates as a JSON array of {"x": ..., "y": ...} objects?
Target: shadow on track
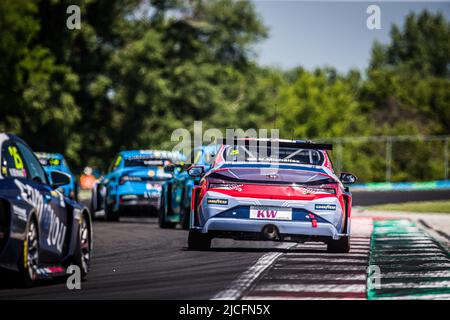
[
  {"x": 263, "y": 249},
  {"x": 128, "y": 220},
  {"x": 11, "y": 280}
]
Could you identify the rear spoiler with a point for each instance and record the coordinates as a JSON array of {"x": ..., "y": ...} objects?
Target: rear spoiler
[{"x": 299, "y": 144}]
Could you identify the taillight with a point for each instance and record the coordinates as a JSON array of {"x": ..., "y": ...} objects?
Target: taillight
[
  {"x": 321, "y": 190},
  {"x": 226, "y": 186}
]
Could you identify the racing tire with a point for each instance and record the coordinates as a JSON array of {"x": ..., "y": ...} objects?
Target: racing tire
[
  {"x": 199, "y": 241},
  {"x": 111, "y": 215},
  {"x": 83, "y": 250},
  {"x": 186, "y": 220},
  {"x": 162, "y": 221},
  {"x": 339, "y": 246},
  {"x": 75, "y": 191},
  {"x": 29, "y": 258}
]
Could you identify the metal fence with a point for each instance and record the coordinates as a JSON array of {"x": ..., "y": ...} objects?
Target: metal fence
[{"x": 387, "y": 141}]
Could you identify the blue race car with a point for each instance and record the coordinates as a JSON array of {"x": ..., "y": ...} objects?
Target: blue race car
[
  {"x": 42, "y": 232},
  {"x": 134, "y": 181},
  {"x": 176, "y": 192},
  {"x": 56, "y": 161}
]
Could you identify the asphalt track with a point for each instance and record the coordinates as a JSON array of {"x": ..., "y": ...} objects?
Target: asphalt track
[{"x": 135, "y": 259}]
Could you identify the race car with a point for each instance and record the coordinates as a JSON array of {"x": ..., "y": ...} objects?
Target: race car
[
  {"x": 56, "y": 161},
  {"x": 134, "y": 181},
  {"x": 176, "y": 192},
  {"x": 42, "y": 232},
  {"x": 279, "y": 190}
]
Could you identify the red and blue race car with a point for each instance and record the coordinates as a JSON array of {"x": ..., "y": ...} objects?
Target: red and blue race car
[{"x": 279, "y": 190}]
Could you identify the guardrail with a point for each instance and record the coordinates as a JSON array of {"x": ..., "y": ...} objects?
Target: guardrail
[{"x": 402, "y": 186}]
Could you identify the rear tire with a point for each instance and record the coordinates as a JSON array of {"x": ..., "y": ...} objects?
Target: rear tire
[
  {"x": 75, "y": 191},
  {"x": 339, "y": 246},
  {"x": 199, "y": 241},
  {"x": 30, "y": 255},
  {"x": 186, "y": 220},
  {"x": 162, "y": 218},
  {"x": 83, "y": 251},
  {"x": 111, "y": 215}
]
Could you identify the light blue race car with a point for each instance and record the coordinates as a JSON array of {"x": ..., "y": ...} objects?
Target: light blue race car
[
  {"x": 57, "y": 162},
  {"x": 134, "y": 181}
]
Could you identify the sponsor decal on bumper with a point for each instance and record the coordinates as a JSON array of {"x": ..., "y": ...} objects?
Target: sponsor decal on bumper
[
  {"x": 325, "y": 206},
  {"x": 223, "y": 202},
  {"x": 269, "y": 213}
]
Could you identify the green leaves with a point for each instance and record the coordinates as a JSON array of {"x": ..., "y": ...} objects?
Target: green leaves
[{"x": 137, "y": 70}]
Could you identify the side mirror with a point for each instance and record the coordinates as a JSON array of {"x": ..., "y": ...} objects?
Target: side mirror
[
  {"x": 196, "y": 171},
  {"x": 347, "y": 178},
  {"x": 59, "y": 179}
]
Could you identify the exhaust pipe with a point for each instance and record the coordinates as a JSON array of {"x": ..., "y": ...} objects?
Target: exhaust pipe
[{"x": 270, "y": 232}]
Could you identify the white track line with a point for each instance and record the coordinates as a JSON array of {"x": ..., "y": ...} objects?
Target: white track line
[
  {"x": 416, "y": 285},
  {"x": 296, "y": 298},
  {"x": 347, "y": 255},
  {"x": 323, "y": 259},
  {"x": 314, "y": 276},
  {"x": 436, "y": 296},
  {"x": 244, "y": 281},
  {"x": 313, "y": 288},
  {"x": 427, "y": 274},
  {"x": 320, "y": 267},
  {"x": 417, "y": 254}
]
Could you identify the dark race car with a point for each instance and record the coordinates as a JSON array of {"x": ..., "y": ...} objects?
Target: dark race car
[
  {"x": 177, "y": 191},
  {"x": 42, "y": 232}
]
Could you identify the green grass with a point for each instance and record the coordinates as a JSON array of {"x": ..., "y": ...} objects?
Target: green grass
[{"x": 416, "y": 206}]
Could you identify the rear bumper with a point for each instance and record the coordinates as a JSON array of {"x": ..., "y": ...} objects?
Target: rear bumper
[
  {"x": 141, "y": 203},
  {"x": 285, "y": 228},
  {"x": 136, "y": 195},
  {"x": 321, "y": 217}
]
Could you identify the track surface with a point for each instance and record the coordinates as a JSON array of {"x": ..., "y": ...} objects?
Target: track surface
[{"x": 135, "y": 259}]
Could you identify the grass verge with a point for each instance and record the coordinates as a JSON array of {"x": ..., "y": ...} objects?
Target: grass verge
[{"x": 438, "y": 206}]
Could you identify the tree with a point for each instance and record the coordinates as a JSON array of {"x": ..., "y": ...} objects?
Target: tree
[{"x": 36, "y": 92}]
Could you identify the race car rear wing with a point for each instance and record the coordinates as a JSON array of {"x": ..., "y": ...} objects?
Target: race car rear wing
[{"x": 297, "y": 144}]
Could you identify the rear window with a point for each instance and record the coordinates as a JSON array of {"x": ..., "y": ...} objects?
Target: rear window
[
  {"x": 146, "y": 162},
  {"x": 248, "y": 175},
  {"x": 240, "y": 153},
  {"x": 50, "y": 162}
]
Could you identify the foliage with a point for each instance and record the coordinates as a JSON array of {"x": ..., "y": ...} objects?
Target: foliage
[{"x": 138, "y": 69}]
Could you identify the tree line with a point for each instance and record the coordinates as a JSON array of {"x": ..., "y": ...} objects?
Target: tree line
[{"x": 137, "y": 70}]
